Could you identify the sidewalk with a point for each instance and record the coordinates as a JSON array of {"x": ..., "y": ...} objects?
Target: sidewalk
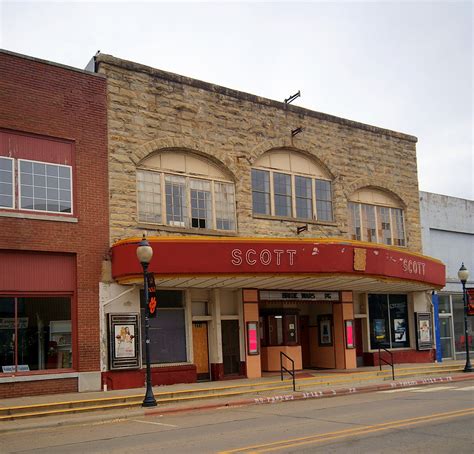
[{"x": 256, "y": 391}]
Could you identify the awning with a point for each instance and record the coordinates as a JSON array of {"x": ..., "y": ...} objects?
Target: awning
[{"x": 269, "y": 263}]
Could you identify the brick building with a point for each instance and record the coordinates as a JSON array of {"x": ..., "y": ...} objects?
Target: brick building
[
  {"x": 53, "y": 225},
  {"x": 274, "y": 228}
]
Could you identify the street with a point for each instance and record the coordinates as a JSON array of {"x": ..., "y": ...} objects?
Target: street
[{"x": 436, "y": 419}]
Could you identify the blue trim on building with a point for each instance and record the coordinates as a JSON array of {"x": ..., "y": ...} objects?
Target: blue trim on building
[{"x": 435, "y": 301}]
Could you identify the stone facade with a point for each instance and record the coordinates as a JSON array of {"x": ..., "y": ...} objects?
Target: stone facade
[{"x": 152, "y": 110}]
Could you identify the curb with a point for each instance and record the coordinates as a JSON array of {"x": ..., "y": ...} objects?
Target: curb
[
  {"x": 314, "y": 394},
  {"x": 104, "y": 418}
]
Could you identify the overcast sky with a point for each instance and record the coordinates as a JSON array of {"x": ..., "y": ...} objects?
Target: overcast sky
[{"x": 405, "y": 66}]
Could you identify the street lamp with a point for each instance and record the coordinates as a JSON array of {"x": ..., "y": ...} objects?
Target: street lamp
[
  {"x": 144, "y": 254},
  {"x": 463, "y": 275}
]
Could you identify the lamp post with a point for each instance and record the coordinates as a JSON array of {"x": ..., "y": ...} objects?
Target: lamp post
[
  {"x": 144, "y": 254},
  {"x": 463, "y": 275}
]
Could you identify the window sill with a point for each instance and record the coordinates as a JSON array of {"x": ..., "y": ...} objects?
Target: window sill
[
  {"x": 295, "y": 220},
  {"x": 167, "y": 228},
  {"x": 38, "y": 217},
  {"x": 164, "y": 365},
  {"x": 36, "y": 376}
]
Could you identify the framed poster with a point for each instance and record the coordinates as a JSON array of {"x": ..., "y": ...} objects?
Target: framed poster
[
  {"x": 400, "y": 329},
  {"x": 423, "y": 327},
  {"x": 325, "y": 330},
  {"x": 252, "y": 338},
  {"x": 124, "y": 341},
  {"x": 379, "y": 330},
  {"x": 349, "y": 329}
]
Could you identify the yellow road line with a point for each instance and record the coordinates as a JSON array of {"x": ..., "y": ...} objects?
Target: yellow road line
[{"x": 350, "y": 432}]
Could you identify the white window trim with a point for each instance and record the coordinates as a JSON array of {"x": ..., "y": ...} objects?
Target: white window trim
[
  {"x": 292, "y": 175},
  {"x": 187, "y": 177},
  {"x": 13, "y": 183},
  {"x": 45, "y": 211}
]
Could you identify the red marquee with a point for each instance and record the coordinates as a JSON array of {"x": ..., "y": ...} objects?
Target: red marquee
[{"x": 241, "y": 256}]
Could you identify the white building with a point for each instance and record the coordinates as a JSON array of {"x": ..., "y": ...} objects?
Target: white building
[{"x": 448, "y": 234}]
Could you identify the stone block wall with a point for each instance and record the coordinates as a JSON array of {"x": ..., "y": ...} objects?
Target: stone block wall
[{"x": 151, "y": 110}]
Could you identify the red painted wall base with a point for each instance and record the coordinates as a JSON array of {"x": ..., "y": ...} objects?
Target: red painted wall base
[
  {"x": 217, "y": 372},
  {"x": 399, "y": 357},
  {"x": 159, "y": 376}
]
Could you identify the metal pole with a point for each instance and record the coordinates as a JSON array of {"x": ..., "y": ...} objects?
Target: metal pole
[
  {"x": 467, "y": 367},
  {"x": 149, "y": 400}
]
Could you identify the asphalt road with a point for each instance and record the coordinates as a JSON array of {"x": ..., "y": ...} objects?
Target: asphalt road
[{"x": 434, "y": 419}]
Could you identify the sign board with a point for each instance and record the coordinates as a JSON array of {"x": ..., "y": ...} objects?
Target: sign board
[
  {"x": 124, "y": 341},
  {"x": 152, "y": 301},
  {"x": 268, "y": 295},
  {"x": 11, "y": 369},
  {"x": 470, "y": 301},
  {"x": 349, "y": 326},
  {"x": 264, "y": 256},
  {"x": 9, "y": 323},
  {"x": 252, "y": 338}
]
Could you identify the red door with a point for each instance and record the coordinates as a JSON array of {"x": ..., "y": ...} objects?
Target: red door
[
  {"x": 304, "y": 339},
  {"x": 358, "y": 342}
]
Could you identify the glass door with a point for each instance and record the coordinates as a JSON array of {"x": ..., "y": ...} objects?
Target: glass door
[{"x": 446, "y": 336}]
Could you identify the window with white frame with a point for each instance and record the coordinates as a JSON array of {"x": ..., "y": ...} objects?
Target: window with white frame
[
  {"x": 42, "y": 186},
  {"x": 371, "y": 221},
  {"x": 45, "y": 187},
  {"x": 288, "y": 184},
  {"x": 7, "y": 193},
  {"x": 182, "y": 200}
]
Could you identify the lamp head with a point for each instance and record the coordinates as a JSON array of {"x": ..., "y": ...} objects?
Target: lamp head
[
  {"x": 463, "y": 274},
  {"x": 144, "y": 251}
]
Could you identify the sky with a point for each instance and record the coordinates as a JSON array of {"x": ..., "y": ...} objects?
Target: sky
[{"x": 405, "y": 66}]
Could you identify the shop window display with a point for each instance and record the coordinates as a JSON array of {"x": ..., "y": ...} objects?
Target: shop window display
[
  {"x": 388, "y": 321},
  {"x": 35, "y": 334}
]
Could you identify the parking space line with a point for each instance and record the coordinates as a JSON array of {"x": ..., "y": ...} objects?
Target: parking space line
[{"x": 153, "y": 422}]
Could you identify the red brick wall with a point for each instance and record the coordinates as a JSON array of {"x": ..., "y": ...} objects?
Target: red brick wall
[
  {"x": 33, "y": 388},
  {"x": 56, "y": 102}
]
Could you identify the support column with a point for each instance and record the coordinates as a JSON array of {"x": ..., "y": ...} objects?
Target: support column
[
  {"x": 215, "y": 338},
  {"x": 345, "y": 357},
  {"x": 250, "y": 310}
]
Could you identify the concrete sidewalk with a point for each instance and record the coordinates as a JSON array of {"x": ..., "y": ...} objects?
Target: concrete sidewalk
[{"x": 329, "y": 384}]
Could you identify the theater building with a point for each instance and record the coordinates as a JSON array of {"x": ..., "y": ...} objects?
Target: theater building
[
  {"x": 53, "y": 225},
  {"x": 274, "y": 229}
]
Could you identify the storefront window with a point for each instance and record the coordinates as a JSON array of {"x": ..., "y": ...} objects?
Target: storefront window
[
  {"x": 35, "y": 334},
  {"x": 459, "y": 330},
  {"x": 388, "y": 321},
  {"x": 167, "y": 329}
]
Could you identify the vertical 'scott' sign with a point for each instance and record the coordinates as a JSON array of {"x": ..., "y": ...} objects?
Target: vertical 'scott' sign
[{"x": 152, "y": 303}]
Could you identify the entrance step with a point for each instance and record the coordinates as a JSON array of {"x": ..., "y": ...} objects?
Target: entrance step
[{"x": 265, "y": 385}]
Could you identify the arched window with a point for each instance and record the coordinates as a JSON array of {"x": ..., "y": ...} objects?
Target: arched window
[
  {"x": 185, "y": 190},
  {"x": 377, "y": 217},
  {"x": 290, "y": 185}
]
